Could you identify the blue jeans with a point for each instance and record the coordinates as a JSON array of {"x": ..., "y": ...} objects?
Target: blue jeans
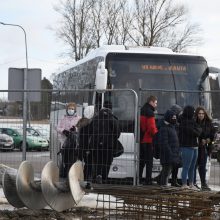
[{"x": 189, "y": 157}]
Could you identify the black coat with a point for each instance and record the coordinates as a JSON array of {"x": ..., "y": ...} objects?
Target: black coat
[
  {"x": 104, "y": 130},
  {"x": 189, "y": 132},
  {"x": 208, "y": 131},
  {"x": 169, "y": 145}
]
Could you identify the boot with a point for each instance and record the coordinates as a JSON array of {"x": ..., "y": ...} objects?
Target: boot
[
  {"x": 175, "y": 183},
  {"x": 205, "y": 187}
]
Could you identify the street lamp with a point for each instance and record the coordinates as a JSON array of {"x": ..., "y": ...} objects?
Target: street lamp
[
  {"x": 16, "y": 25},
  {"x": 25, "y": 94}
]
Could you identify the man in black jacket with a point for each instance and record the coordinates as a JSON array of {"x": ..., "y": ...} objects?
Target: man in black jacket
[{"x": 104, "y": 130}]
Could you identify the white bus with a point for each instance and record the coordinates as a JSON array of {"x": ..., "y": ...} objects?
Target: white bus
[{"x": 134, "y": 68}]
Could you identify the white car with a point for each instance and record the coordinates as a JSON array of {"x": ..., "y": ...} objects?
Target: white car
[{"x": 6, "y": 142}]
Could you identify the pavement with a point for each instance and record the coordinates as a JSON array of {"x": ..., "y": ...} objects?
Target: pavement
[{"x": 89, "y": 200}]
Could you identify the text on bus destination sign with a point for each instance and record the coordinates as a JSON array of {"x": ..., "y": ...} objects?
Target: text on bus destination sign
[{"x": 179, "y": 68}]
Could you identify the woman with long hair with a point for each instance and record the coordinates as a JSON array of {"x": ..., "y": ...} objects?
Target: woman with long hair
[
  {"x": 189, "y": 132},
  {"x": 205, "y": 144}
]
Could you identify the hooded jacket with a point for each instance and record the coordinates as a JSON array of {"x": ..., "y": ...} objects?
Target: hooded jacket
[
  {"x": 104, "y": 130},
  {"x": 147, "y": 123},
  {"x": 189, "y": 130},
  {"x": 168, "y": 141}
]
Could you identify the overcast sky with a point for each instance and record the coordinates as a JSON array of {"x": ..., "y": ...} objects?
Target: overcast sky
[{"x": 44, "y": 49}]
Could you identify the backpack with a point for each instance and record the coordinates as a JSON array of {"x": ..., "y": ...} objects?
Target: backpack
[
  {"x": 156, "y": 146},
  {"x": 118, "y": 150}
]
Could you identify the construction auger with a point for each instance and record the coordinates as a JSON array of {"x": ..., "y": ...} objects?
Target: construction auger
[
  {"x": 22, "y": 189},
  {"x": 10, "y": 189},
  {"x": 29, "y": 188}
]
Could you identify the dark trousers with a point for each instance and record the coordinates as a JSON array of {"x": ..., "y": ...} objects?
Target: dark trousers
[
  {"x": 174, "y": 173},
  {"x": 102, "y": 162},
  {"x": 88, "y": 160},
  {"x": 201, "y": 164},
  {"x": 69, "y": 157},
  {"x": 164, "y": 174},
  {"x": 146, "y": 158}
]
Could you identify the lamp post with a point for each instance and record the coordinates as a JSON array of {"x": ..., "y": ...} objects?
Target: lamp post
[{"x": 25, "y": 93}]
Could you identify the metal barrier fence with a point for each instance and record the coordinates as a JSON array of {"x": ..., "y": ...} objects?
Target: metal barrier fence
[{"x": 45, "y": 142}]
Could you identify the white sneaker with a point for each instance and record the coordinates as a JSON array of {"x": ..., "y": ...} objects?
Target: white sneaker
[
  {"x": 193, "y": 187},
  {"x": 184, "y": 186}
]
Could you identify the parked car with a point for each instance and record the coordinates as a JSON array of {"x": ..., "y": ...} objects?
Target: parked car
[
  {"x": 6, "y": 142},
  {"x": 33, "y": 142},
  {"x": 39, "y": 132}
]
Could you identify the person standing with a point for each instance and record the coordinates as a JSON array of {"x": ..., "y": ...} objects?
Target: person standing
[
  {"x": 205, "y": 145},
  {"x": 189, "y": 132},
  {"x": 148, "y": 129},
  {"x": 85, "y": 153},
  {"x": 168, "y": 143},
  {"x": 178, "y": 111},
  {"x": 105, "y": 131},
  {"x": 68, "y": 138}
]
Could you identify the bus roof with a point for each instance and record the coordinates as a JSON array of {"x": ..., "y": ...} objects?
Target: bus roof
[{"x": 104, "y": 50}]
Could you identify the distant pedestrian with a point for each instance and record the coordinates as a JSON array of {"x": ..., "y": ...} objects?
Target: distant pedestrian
[{"x": 148, "y": 129}]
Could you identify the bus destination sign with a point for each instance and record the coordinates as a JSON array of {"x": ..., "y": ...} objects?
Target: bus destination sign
[{"x": 177, "y": 68}]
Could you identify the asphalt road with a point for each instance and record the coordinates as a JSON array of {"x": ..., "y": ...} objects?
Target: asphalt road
[
  {"x": 39, "y": 159},
  {"x": 13, "y": 159}
]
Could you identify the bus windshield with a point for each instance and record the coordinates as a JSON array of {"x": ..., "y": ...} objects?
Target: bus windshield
[{"x": 155, "y": 71}]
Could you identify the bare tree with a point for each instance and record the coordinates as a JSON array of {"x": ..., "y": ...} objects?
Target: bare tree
[
  {"x": 158, "y": 22},
  {"x": 87, "y": 24},
  {"x": 186, "y": 37},
  {"x": 124, "y": 24},
  {"x": 98, "y": 14},
  {"x": 75, "y": 29},
  {"x": 112, "y": 17}
]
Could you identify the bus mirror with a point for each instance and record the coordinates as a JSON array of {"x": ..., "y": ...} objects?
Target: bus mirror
[
  {"x": 214, "y": 70},
  {"x": 101, "y": 76},
  {"x": 219, "y": 80}
]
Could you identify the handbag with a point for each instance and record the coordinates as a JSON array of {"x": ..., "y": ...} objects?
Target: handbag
[{"x": 118, "y": 149}]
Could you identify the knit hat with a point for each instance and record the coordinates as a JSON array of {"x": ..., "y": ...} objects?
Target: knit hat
[
  {"x": 169, "y": 115},
  {"x": 71, "y": 105},
  {"x": 176, "y": 108},
  {"x": 89, "y": 111},
  {"x": 188, "y": 112}
]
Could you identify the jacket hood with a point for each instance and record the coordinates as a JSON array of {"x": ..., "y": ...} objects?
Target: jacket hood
[
  {"x": 89, "y": 111},
  {"x": 176, "y": 108},
  {"x": 168, "y": 116},
  {"x": 188, "y": 112}
]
